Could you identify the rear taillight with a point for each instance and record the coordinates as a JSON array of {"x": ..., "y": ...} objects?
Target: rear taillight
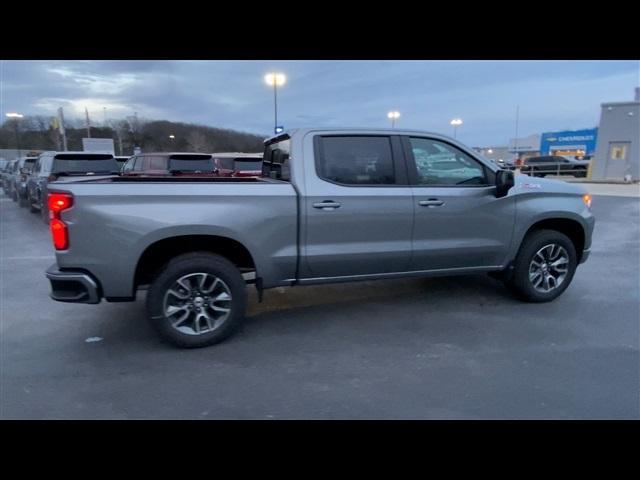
[
  {"x": 57, "y": 203},
  {"x": 59, "y": 234}
]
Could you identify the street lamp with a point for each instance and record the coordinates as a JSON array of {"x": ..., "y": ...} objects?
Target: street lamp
[
  {"x": 456, "y": 122},
  {"x": 275, "y": 80},
  {"x": 393, "y": 116},
  {"x": 172, "y": 137},
  {"x": 16, "y": 117}
]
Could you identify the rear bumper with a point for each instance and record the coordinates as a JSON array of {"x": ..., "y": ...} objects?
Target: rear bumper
[{"x": 72, "y": 286}]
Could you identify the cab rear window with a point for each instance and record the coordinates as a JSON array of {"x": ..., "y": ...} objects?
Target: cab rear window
[
  {"x": 191, "y": 163},
  {"x": 79, "y": 164}
]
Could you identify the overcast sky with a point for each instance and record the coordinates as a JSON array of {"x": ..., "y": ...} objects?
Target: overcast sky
[{"x": 552, "y": 95}]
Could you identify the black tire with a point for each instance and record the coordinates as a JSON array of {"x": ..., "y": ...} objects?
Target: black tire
[
  {"x": 519, "y": 283},
  {"x": 22, "y": 200},
  {"x": 44, "y": 213},
  {"x": 191, "y": 263},
  {"x": 32, "y": 209}
]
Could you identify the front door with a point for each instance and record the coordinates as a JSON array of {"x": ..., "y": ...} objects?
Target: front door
[
  {"x": 459, "y": 222},
  {"x": 358, "y": 208}
]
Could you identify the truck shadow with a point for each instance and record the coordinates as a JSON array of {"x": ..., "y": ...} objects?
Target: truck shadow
[
  {"x": 477, "y": 289},
  {"x": 303, "y": 309}
]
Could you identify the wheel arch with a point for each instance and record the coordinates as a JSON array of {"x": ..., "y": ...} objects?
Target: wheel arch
[
  {"x": 570, "y": 227},
  {"x": 161, "y": 251}
]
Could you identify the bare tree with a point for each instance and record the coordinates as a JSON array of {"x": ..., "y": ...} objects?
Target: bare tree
[{"x": 198, "y": 142}]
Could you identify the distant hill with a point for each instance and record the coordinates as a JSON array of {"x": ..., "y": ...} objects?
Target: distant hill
[{"x": 38, "y": 133}]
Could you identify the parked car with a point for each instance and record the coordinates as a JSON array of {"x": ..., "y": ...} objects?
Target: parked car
[
  {"x": 18, "y": 179},
  {"x": 554, "y": 165},
  {"x": 333, "y": 205},
  {"x": 170, "y": 164},
  {"x": 5, "y": 174},
  {"x": 56, "y": 167},
  {"x": 238, "y": 164}
]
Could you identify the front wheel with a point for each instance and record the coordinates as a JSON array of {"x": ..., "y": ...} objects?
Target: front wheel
[
  {"x": 196, "y": 300},
  {"x": 32, "y": 208},
  {"x": 544, "y": 266}
]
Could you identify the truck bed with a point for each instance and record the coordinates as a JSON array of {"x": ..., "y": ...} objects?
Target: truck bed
[{"x": 180, "y": 179}]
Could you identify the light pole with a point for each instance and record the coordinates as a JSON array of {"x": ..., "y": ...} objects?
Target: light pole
[
  {"x": 16, "y": 117},
  {"x": 275, "y": 80},
  {"x": 456, "y": 122},
  {"x": 393, "y": 116},
  {"x": 171, "y": 139}
]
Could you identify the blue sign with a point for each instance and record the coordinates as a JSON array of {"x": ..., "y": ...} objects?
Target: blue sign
[
  {"x": 279, "y": 129},
  {"x": 571, "y": 139}
]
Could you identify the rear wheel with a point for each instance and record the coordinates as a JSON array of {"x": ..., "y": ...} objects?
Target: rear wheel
[
  {"x": 22, "y": 200},
  {"x": 44, "y": 212},
  {"x": 544, "y": 266},
  {"x": 196, "y": 300}
]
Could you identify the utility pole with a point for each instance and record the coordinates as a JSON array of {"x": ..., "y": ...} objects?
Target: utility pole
[
  {"x": 62, "y": 130},
  {"x": 515, "y": 145},
  {"x": 86, "y": 112}
]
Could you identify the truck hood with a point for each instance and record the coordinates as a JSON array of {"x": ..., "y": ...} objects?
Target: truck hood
[{"x": 527, "y": 184}]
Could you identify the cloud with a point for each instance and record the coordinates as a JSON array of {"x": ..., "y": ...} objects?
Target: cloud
[{"x": 232, "y": 94}]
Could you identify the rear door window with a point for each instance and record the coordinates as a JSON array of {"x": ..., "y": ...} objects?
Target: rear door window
[{"x": 356, "y": 160}]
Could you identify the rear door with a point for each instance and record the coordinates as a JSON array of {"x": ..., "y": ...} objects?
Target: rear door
[
  {"x": 358, "y": 207},
  {"x": 459, "y": 222}
]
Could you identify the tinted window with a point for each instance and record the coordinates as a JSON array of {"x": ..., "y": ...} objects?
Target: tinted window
[
  {"x": 157, "y": 163},
  {"x": 45, "y": 165},
  {"x": 78, "y": 163},
  {"x": 139, "y": 163},
  {"x": 439, "y": 163},
  {"x": 362, "y": 160},
  {"x": 249, "y": 164},
  {"x": 191, "y": 163},
  {"x": 30, "y": 163},
  {"x": 225, "y": 163}
]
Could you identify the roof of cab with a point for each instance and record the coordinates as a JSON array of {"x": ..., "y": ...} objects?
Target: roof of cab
[{"x": 387, "y": 131}]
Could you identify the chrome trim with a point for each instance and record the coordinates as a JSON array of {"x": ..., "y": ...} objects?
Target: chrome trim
[{"x": 381, "y": 276}]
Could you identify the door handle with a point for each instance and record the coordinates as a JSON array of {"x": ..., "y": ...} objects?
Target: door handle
[
  {"x": 432, "y": 202},
  {"x": 327, "y": 204}
]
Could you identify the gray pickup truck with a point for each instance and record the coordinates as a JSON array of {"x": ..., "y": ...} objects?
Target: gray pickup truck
[{"x": 332, "y": 205}]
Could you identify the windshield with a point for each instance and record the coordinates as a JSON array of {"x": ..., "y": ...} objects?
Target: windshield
[
  {"x": 79, "y": 164},
  {"x": 191, "y": 163}
]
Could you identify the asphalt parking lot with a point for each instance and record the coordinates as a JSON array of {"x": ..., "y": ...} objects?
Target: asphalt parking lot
[{"x": 440, "y": 348}]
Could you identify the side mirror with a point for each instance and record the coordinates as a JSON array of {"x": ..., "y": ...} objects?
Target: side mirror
[
  {"x": 24, "y": 171},
  {"x": 504, "y": 181}
]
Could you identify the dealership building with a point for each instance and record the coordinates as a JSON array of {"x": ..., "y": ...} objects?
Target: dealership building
[
  {"x": 569, "y": 143},
  {"x": 617, "y": 155}
]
